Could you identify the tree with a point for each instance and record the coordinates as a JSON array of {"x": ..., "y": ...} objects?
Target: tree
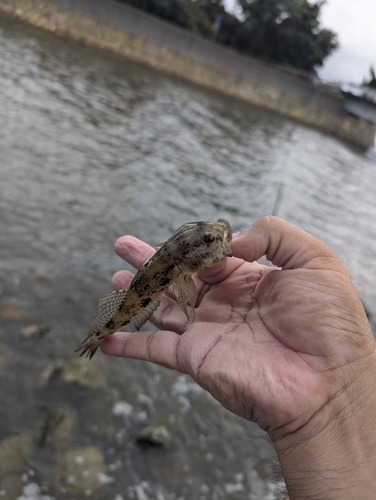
[
  {"x": 230, "y": 24},
  {"x": 285, "y": 31}
]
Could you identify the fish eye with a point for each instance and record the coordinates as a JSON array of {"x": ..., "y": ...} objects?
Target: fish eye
[{"x": 209, "y": 238}]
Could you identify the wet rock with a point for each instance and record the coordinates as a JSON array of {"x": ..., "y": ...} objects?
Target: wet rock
[
  {"x": 32, "y": 491},
  {"x": 14, "y": 452},
  {"x": 57, "y": 427},
  {"x": 146, "y": 401},
  {"x": 79, "y": 371},
  {"x": 6, "y": 354},
  {"x": 122, "y": 408},
  {"x": 52, "y": 371},
  {"x": 15, "y": 310},
  {"x": 51, "y": 418},
  {"x": 83, "y": 372},
  {"x": 83, "y": 470},
  {"x": 35, "y": 330},
  {"x": 154, "y": 436}
]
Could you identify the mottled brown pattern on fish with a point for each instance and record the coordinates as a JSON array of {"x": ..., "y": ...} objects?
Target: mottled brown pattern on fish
[{"x": 192, "y": 247}]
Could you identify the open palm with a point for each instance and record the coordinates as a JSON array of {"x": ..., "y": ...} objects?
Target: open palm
[{"x": 273, "y": 345}]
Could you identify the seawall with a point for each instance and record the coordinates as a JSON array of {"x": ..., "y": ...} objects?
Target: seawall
[{"x": 134, "y": 34}]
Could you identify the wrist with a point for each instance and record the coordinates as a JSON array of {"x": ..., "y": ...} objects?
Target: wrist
[{"x": 333, "y": 456}]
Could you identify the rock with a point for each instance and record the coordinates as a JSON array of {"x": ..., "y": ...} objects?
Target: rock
[
  {"x": 80, "y": 371},
  {"x": 154, "y": 436},
  {"x": 32, "y": 491},
  {"x": 14, "y": 452},
  {"x": 6, "y": 354},
  {"x": 52, "y": 371},
  {"x": 51, "y": 418},
  {"x": 62, "y": 435},
  {"x": 15, "y": 310},
  {"x": 122, "y": 408},
  {"x": 83, "y": 469},
  {"x": 57, "y": 427},
  {"x": 34, "y": 330},
  {"x": 83, "y": 372}
]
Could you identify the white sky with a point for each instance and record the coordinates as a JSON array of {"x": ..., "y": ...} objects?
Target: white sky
[{"x": 354, "y": 21}]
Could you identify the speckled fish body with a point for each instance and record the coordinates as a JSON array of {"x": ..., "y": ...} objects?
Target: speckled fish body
[{"x": 192, "y": 247}]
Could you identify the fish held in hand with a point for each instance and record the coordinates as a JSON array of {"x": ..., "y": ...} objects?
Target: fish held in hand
[{"x": 192, "y": 247}]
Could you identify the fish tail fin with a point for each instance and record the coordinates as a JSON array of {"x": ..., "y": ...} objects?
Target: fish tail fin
[
  {"x": 103, "y": 323},
  {"x": 89, "y": 347}
]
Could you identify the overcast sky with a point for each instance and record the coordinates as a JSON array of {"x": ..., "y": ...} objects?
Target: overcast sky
[{"x": 354, "y": 21}]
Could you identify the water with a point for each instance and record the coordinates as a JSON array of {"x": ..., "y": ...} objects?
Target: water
[{"x": 93, "y": 147}]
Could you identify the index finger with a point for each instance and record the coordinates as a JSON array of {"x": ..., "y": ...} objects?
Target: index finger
[{"x": 136, "y": 252}]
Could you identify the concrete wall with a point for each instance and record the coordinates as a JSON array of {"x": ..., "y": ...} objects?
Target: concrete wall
[
  {"x": 167, "y": 35},
  {"x": 144, "y": 38}
]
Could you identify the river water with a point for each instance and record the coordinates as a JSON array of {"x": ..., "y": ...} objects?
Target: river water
[{"x": 93, "y": 147}]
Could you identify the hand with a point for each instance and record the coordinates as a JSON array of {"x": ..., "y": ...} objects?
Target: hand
[
  {"x": 272, "y": 345},
  {"x": 288, "y": 347}
]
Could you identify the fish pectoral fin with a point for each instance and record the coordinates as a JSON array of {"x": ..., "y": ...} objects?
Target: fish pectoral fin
[
  {"x": 146, "y": 313},
  {"x": 185, "y": 292}
]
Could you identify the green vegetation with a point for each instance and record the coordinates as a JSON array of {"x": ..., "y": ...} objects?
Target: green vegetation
[{"x": 280, "y": 31}]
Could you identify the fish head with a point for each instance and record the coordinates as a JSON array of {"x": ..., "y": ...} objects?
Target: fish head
[{"x": 202, "y": 244}]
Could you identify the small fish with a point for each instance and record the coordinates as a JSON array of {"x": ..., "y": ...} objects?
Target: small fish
[{"x": 192, "y": 247}]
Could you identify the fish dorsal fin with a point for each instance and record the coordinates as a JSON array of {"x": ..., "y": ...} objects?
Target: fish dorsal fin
[
  {"x": 185, "y": 292},
  {"x": 146, "y": 313}
]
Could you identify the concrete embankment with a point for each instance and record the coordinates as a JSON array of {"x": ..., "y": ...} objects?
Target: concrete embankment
[{"x": 131, "y": 33}]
